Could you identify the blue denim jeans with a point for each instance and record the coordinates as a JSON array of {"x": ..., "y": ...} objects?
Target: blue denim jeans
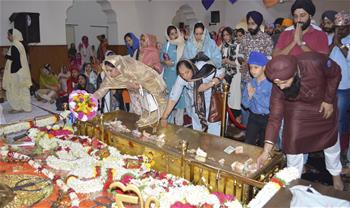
[
  {"x": 344, "y": 114},
  {"x": 343, "y": 108}
]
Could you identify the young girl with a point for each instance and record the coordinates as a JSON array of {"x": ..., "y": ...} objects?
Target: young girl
[{"x": 63, "y": 76}]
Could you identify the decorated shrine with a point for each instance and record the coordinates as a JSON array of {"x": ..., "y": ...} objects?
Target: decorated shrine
[{"x": 108, "y": 162}]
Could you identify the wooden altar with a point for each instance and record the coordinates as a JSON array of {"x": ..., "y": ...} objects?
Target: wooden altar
[{"x": 170, "y": 157}]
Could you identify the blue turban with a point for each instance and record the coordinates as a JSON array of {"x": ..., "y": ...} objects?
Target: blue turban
[
  {"x": 256, "y": 16},
  {"x": 257, "y": 58}
]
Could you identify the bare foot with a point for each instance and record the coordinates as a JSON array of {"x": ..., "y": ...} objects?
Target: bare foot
[
  {"x": 338, "y": 183},
  {"x": 346, "y": 170}
]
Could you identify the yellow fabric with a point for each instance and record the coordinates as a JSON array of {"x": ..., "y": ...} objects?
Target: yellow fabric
[
  {"x": 287, "y": 22},
  {"x": 17, "y": 84},
  {"x": 23, "y": 79},
  {"x": 18, "y": 96},
  {"x": 135, "y": 72},
  {"x": 50, "y": 80}
]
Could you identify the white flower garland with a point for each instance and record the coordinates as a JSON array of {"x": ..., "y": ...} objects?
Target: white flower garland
[
  {"x": 286, "y": 175},
  {"x": 60, "y": 183},
  {"x": 25, "y": 125},
  {"x": 80, "y": 160},
  {"x": 87, "y": 186},
  {"x": 46, "y": 121}
]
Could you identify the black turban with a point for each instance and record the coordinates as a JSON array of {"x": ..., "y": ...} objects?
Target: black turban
[
  {"x": 307, "y": 5},
  {"x": 256, "y": 16},
  {"x": 330, "y": 14},
  {"x": 278, "y": 21}
]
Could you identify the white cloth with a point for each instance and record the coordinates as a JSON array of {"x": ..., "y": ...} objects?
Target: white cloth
[
  {"x": 178, "y": 116},
  {"x": 86, "y": 53},
  {"x": 306, "y": 196},
  {"x": 17, "y": 84},
  {"x": 107, "y": 97},
  {"x": 2, "y": 117},
  {"x": 235, "y": 95},
  {"x": 332, "y": 158}
]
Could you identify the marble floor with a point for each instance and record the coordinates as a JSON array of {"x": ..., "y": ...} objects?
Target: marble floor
[{"x": 37, "y": 110}]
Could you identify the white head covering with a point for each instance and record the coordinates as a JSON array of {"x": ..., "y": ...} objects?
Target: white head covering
[{"x": 17, "y": 35}]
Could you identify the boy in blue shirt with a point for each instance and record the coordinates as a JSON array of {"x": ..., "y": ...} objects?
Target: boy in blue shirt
[{"x": 256, "y": 97}]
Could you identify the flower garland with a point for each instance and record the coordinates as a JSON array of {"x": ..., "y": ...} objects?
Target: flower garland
[
  {"x": 56, "y": 179},
  {"x": 25, "y": 125},
  {"x": 83, "y": 105},
  {"x": 91, "y": 166},
  {"x": 281, "y": 179}
]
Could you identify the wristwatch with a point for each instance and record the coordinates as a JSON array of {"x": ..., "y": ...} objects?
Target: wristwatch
[{"x": 343, "y": 46}]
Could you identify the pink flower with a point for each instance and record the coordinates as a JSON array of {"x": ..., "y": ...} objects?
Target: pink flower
[
  {"x": 126, "y": 179},
  {"x": 206, "y": 206},
  {"x": 181, "y": 205},
  {"x": 223, "y": 197}
]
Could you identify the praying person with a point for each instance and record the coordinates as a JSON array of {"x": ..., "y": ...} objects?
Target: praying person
[{"x": 256, "y": 98}]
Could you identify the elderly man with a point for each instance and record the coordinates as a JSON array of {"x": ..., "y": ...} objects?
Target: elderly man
[
  {"x": 304, "y": 96},
  {"x": 340, "y": 54},
  {"x": 327, "y": 24},
  {"x": 303, "y": 36}
]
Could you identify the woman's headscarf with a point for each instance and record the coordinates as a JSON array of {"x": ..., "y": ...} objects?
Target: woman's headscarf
[
  {"x": 218, "y": 39},
  {"x": 200, "y": 45},
  {"x": 135, "y": 44},
  {"x": 47, "y": 79},
  {"x": 200, "y": 70},
  {"x": 24, "y": 72},
  {"x": 149, "y": 54},
  {"x": 85, "y": 41},
  {"x": 179, "y": 42}
]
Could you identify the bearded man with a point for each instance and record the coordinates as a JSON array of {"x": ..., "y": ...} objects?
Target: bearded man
[
  {"x": 327, "y": 24},
  {"x": 303, "y": 37},
  {"x": 254, "y": 40},
  {"x": 304, "y": 96}
]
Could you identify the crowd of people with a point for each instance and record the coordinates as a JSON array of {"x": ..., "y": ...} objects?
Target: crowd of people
[{"x": 289, "y": 82}]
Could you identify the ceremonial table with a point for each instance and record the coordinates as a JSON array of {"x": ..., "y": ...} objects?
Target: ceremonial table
[{"x": 177, "y": 154}]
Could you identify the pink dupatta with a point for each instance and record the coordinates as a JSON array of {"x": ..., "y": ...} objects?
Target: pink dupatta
[{"x": 150, "y": 55}]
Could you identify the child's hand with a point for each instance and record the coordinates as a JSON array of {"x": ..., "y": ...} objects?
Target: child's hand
[{"x": 251, "y": 91}]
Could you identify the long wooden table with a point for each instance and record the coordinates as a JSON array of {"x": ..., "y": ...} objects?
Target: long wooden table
[{"x": 168, "y": 157}]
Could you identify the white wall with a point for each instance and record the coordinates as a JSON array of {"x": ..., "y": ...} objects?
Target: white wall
[
  {"x": 153, "y": 17},
  {"x": 143, "y": 16},
  {"x": 84, "y": 15},
  {"x": 52, "y": 18}
]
